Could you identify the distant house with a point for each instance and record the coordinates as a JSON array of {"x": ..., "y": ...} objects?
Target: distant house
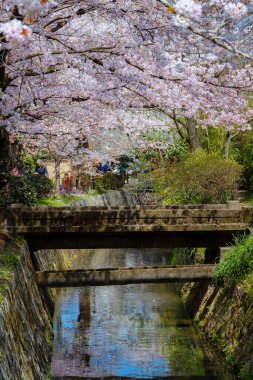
[{"x": 65, "y": 174}]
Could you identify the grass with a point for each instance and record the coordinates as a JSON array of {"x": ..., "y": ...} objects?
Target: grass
[
  {"x": 8, "y": 261},
  {"x": 64, "y": 200},
  {"x": 237, "y": 263}
]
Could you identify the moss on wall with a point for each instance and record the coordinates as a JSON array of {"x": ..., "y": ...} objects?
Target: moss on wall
[
  {"x": 8, "y": 261},
  {"x": 226, "y": 316},
  {"x": 25, "y": 325}
]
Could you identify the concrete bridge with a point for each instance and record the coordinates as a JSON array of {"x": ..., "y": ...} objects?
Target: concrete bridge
[
  {"x": 210, "y": 226},
  {"x": 124, "y": 227},
  {"x": 121, "y": 276}
]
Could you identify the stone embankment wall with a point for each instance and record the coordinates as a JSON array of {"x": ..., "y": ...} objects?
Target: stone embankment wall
[
  {"x": 25, "y": 327},
  {"x": 226, "y": 316}
]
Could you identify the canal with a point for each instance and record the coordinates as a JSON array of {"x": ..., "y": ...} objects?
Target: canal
[{"x": 139, "y": 331}]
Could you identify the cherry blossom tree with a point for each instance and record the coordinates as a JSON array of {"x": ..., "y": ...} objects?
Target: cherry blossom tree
[
  {"x": 65, "y": 65},
  {"x": 55, "y": 142}
]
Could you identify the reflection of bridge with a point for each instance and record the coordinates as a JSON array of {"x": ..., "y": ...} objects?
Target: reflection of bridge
[{"x": 210, "y": 226}]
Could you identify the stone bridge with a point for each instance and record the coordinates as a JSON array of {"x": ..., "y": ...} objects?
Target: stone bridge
[
  {"x": 121, "y": 276},
  {"x": 210, "y": 226},
  {"x": 129, "y": 227}
]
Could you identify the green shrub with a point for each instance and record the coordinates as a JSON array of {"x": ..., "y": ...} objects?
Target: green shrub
[
  {"x": 245, "y": 374},
  {"x": 183, "y": 256},
  {"x": 246, "y": 150},
  {"x": 200, "y": 178},
  {"x": 237, "y": 263},
  {"x": 30, "y": 163},
  {"x": 43, "y": 185},
  {"x": 22, "y": 191},
  {"x": 25, "y": 189},
  {"x": 230, "y": 359},
  {"x": 5, "y": 199},
  {"x": 108, "y": 181}
]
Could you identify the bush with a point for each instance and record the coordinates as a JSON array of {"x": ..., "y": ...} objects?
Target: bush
[
  {"x": 5, "y": 199},
  {"x": 26, "y": 189},
  {"x": 246, "y": 149},
  {"x": 237, "y": 263},
  {"x": 183, "y": 256},
  {"x": 200, "y": 178},
  {"x": 108, "y": 181},
  {"x": 43, "y": 185},
  {"x": 21, "y": 190},
  {"x": 245, "y": 374}
]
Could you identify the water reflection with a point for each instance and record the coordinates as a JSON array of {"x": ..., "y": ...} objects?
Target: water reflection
[{"x": 135, "y": 331}]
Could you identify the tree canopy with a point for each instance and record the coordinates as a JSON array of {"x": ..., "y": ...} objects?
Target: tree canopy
[{"x": 70, "y": 69}]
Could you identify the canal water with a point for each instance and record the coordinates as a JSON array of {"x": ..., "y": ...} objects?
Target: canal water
[{"x": 139, "y": 331}]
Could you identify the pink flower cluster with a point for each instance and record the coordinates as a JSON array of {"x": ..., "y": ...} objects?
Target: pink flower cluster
[
  {"x": 236, "y": 10},
  {"x": 15, "y": 33},
  {"x": 30, "y": 7},
  {"x": 189, "y": 8}
]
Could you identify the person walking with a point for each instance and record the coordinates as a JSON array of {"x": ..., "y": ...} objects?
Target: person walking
[{"x": 41, "y": 168}]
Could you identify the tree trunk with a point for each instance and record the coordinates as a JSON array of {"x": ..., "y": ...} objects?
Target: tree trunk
[
  {"x": 228, "y": 144},
  {"x": 193, "y": 135},
  {"x": 10, "y": 155},
  {"x": 57, "y": 162}
]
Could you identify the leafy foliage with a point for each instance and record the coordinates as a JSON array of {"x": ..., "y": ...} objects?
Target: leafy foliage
[
  {"x": 183, "y": 256},
  {"x": 109, "y": 181},
  {"x": 26, "y": 189},
  {"x": 5, "y": 199},
  {"x": 42, "y": 184},
  {"x": 200, "y": 178},
  {"x": 8, "y": 260},
  {"x": 245, "y": 374},
  {"x": 246, "y": 148},
  {"x": 62, "y": 200},
  {"x": 177, "y": 151},
  {"x": 237, "y": 263},
  {"x": 30, "y": 162}
]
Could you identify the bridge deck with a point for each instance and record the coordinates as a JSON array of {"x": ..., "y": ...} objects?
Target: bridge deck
[
  {"x": 124, "y": 227},
  {"x": 119, "y": 276}
]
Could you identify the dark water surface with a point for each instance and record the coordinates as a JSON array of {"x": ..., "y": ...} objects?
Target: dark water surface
[{"x": 137, "y": 331}]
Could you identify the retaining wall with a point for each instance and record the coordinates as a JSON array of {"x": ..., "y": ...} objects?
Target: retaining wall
[
  {"x": 226, "y": 316},
  {"x": 25, "y": 327}
]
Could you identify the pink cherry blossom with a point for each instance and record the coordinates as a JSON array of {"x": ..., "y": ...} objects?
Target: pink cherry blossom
[
  {"x": 121, "y": 75},
  {"x": 31, "y": 7},
  {"x": 189, "y": 8},
  {"x": 15, "y": 33},
  {"x": 236, "y": 10}
]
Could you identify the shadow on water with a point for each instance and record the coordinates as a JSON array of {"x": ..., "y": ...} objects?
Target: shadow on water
[{"x": 139, "y": 331}]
